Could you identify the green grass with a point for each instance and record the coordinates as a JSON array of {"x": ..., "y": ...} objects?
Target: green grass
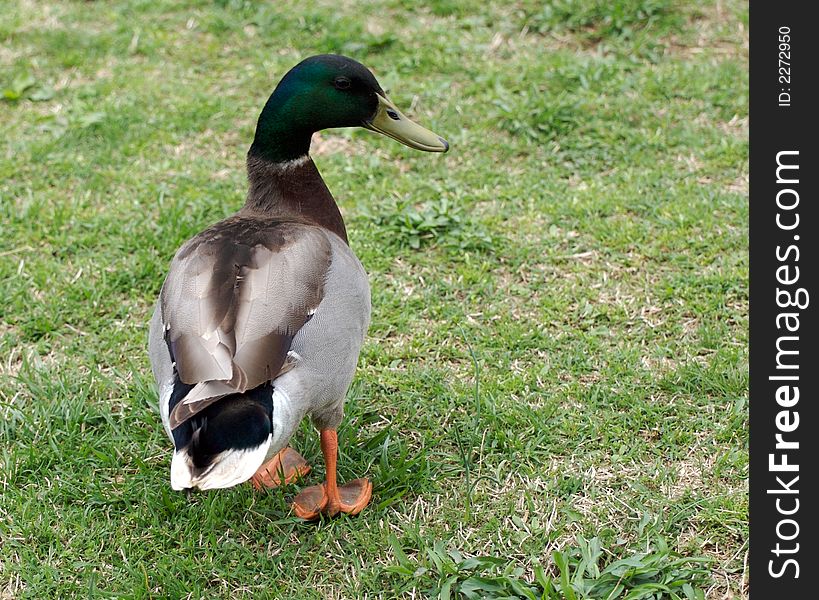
[{"x": 556, "y": 374}]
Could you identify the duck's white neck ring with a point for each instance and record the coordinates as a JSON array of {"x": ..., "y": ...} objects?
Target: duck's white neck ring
[{"x": 288, "y": 165}]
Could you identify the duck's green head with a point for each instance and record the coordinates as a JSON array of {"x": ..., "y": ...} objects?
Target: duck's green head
[{"x": 331, "y": 91}]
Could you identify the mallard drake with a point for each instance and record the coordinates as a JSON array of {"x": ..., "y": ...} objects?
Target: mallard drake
[{"x": 261, "y": 317}]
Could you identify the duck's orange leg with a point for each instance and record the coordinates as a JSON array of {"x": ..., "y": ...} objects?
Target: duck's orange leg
[
  {"x": 285, "y": 467},
  {"x": 329, "y": 498}
]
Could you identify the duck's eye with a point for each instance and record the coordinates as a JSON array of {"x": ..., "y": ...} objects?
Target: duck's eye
[{"x": 342, "y": 83}]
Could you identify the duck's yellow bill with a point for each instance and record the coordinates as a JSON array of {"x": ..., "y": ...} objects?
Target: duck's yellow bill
[{"x": 392, "y": 123}]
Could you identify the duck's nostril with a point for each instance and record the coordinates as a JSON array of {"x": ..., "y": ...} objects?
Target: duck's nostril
[{"x": 393, "y": 115}]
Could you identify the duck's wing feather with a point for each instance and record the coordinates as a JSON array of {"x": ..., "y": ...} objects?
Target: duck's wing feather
[{"x": 234, "y": 298}]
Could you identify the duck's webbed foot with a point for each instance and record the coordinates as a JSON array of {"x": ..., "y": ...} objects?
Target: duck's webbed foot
[
  {"x": 285, "y": 467},
  {"x": 328, "y": 498}
]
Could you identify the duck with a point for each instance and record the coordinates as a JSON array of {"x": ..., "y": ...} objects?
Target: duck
[{"x": 261, "y": 317}]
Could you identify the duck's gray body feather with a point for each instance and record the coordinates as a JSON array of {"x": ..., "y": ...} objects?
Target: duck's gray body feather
[{"x": 247, "y": 295}]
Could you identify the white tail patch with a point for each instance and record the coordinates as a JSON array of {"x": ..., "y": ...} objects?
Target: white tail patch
[{"x": 228, "y": 468}]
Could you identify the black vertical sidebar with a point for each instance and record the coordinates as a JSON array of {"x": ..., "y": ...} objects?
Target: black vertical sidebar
[{"x": 784, "y": 299}]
